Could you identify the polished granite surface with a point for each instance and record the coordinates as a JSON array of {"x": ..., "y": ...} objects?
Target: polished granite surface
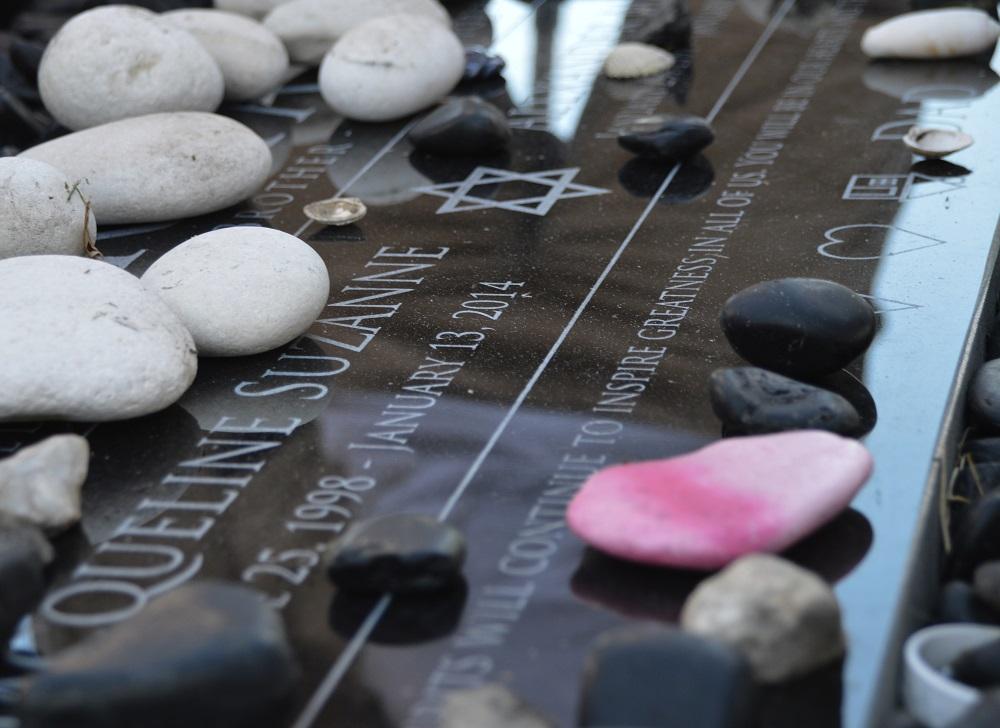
[{"x": 485, "y": 318}]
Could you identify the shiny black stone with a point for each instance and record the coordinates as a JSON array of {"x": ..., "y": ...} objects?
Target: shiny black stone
[
  {"x": 958, "y": 603},
  {"x": 976, "y": 536},
  {"x": 208, "y": 654},
  {"x": 980, "y": 666},
  {"x": 462, "y": 126},
  {"x": 984, "y": 395},
  {"x": 984, "y": 714},
  {"x": 481, "y": 65},
  {"x": 698, "y": 683},
  {"x": 756, "y": 401},
  {"x": 801, "y": 327},
  {"x": 399, "y": 553},
  {"x": 986, "y": 584},
  {"x": 23, "y": 553},
  {"x": 26, "y": 56},
  {"x": 667, "y": 137}
]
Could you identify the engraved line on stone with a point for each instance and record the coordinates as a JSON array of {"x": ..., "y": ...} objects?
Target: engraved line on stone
[{"x": 340, "y": 667}]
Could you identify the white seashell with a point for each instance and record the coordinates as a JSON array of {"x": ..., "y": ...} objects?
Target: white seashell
[
  {"x": 635, "y": 60},
  {"x": 336, "y": 210},
  {"x": 946, "y": 33},
  {"x": 936, "y": 143}
]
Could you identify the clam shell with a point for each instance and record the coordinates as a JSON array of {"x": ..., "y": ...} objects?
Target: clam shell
[
  {"x": 634, "y": 60},
  {"x": 336, "y": 210},
  {"x": 935, "y": 143},
  {"x": 945, "y": 33}
]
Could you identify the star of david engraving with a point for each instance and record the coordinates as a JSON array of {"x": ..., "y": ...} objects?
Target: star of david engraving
[{"x": 459, "y": 196}]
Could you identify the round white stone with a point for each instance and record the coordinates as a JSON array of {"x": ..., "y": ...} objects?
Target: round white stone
[
  {"x": 252, "y": 58},
  {"x": 310, "y": 27},
  {"x": 242, "y": 290},
  {"x": 42, "y": 212},
  {"x": 161, "y": 166},
  {"x": 942, "y": 33},
  {"x": 86, "y": 341},
  {"x": 252, "y": 8},
  {"x": 118, "y": 61},
  {"x": 391, "y": 67}
]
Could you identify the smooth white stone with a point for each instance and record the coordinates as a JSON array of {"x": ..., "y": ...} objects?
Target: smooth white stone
[
  {"x": 391, "y": 67},
  {"x": 784, "y": 619},
  {"x": 242, "y": 290},
  {"x": 86, "y": 341},
  {"x": 41, "y": 484},
  {"x": 252, "y": 8},
  {"x": 944, "y": 33},
  {"x": 118, "y": 61},
  {"x": 635, "y": 60},
  {"x": 309, "y": 28},
  {"x": 161, "y": 166},
  {"x": 252, "y": 58},
  {"x": 41, "y": 211},
  {"x": 935, "y": 143}
]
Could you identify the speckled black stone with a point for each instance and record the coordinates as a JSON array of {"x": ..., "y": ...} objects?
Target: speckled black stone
[
  {"x": 801, "y": 327},
  {"x": 23, "y": 553},
  {"x": 698, "y": 683},
  {"x": 980, "y": 666},
  {"x": 755, "y": 401},
  {"x": 984, "y": 395},
  {"x": 206, "y": 654},
  {"x": 400, "y": 553},
  {"x": 667, "y": 137},
  {"x": 466, "y": 126}
]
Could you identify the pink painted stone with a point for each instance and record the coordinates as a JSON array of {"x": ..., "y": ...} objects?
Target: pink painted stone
[{"x": 731, "y": 498}]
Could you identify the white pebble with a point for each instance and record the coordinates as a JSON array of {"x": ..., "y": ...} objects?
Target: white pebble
[
  {"x": 41, "y": 484},
  {"x": 934, "y": 143},
  {"x": 310, "y": 27},
  {"x": 42, "y": 212},
  {"x": 118, "y": 61},
  {"x": 85, "y": 341},
  {"x": 635, "y": 60},
  {"x": 252, "y": 8},
  {"x": 391, "y": 67},
  {"x": 944, "y": 33},
  {"x": 252, "y": 58},
  {"x": 242, "y": 290},
  {"x": 161, "y": 166}
]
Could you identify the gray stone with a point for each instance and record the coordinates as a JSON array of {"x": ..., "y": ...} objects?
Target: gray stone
[
  {"x": 118, "y": 61},
  {"x": 251, "y": 8},
  {"x": 253, "y": 60},
  {"x": 41, "y": 211},
  {"x": 785, "y": 619},
  {"x": 87, "y": 342},
  {"x": 390, "y": 67},
  {"x": 489, "y": 706},
  {"x": 161, "y": 166},
  {"x": 41, "y": 484},
  {"x": 242, "y": 290},
  {"x": 309, "y": 28}
]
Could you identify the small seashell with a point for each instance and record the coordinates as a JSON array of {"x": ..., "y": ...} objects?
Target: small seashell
[
  {"x": 336, "y": 210},
  {"x": 635, "y": 60},
  {"x": 936, "y": 143},
  {"x": 946, "y": 33}
]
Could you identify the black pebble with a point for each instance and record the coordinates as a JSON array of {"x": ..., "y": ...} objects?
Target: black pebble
[
  {"x": 462, "y": 126},
  {"x": 667, "y": 137},
  {"x": 959, "y": 603},
  {"x": 801, "y": 327},
  {"x": 26, "y": 56},
  {"x": 984, "y": 714},
  {"x": 664, "y": 678},
  {"x": 980, "y": 666},
  {"x": 206, "y": 654},
  {"x": 481, "y": 65},
  {"x": 23, "y": 554},
  {"x": 986, "y": 581},
  {"x": 976, "y": 536},
  {"x": 756, "y": 401},
  {"x": 400, "y": 553},
  {"x": 984, "y": 395}
]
